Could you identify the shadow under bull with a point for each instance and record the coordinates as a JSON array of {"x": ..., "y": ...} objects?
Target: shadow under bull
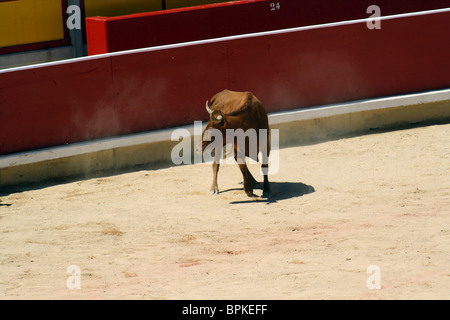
[{"x": 281, "y": 191}]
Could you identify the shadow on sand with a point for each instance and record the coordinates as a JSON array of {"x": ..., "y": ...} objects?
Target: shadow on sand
[{"x": 281, "y": 191}]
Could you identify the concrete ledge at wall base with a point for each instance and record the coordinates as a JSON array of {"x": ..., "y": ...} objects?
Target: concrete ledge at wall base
[
  {"x": 348, "y": 119},
  {"x": 153, "y": 149}
]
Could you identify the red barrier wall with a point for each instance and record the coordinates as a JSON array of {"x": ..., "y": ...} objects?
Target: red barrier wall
[
  {"x": 288, "y": 70},
  {"x": 163, "y": 87},
  {"x": 344, "y": 63},
  {"x": 171, "y": 26},
  {"x": 55, "y": 105},
  {"x": 231, "y": 18}
]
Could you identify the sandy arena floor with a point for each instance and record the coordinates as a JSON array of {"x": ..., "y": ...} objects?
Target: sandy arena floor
[{"x": 338, "y": 207}]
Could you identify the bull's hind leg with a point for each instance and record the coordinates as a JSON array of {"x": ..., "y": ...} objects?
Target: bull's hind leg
[
  {"x": 214, "y": 187},
  {"x": 252, "y": 181},
  {"x": 265, "y": 150},
  {"x": 266, "y": 185},
  {"x": 248, "y": 180}
]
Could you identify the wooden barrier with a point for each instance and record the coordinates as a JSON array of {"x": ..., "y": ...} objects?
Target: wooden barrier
[
  {"x": 56, "y": 104},
  {"x": 128, "y": 92},
  {"x": 231, "y": 18},
  {"x": 153, "y": 149},
  {"x": 169, "y": 26},
  {"x": 165, "y": 87},
  {"x": 344, "y": 63}
]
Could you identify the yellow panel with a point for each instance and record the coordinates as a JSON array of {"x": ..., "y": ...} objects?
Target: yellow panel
[
  {"x": 111, "y": 8},
  {"x": 30, "y": 21},
  {"x": 171, "y": 4}
]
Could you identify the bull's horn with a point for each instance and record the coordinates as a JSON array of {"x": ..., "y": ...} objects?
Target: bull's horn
[{"x": 208, "y": 108}]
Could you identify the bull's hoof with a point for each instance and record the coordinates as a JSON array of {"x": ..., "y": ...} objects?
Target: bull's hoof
[
  {"x": 250, "y": 193},
  {"x": 214, "y": 191},
  {"x": 266, "y": 195}
]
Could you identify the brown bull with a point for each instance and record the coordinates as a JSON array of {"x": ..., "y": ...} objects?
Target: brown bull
[{"x": 239, "y": 110}]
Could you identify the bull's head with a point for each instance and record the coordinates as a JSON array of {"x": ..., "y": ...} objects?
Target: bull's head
[
  {"x": 216, "y": 121},
  {"x": 218, "y": 118}
]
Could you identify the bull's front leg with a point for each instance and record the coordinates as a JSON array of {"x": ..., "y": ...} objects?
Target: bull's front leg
[{"x": 214, "y": 187}]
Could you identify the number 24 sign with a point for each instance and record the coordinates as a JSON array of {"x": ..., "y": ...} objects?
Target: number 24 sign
[{"x": 274, "y": 6}]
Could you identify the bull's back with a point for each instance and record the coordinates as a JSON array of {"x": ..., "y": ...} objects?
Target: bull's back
[
  {"x": 229, "y": 102},
  {"x": 234, "y": 103},
  {"x": 245, "y": 111}
]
